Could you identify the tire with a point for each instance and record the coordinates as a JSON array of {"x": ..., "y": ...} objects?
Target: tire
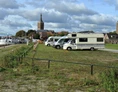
[
  {"x": 69, "y": 48},
  {"x": 48, "y": 44},
  {"x": 58, "y": 47},
  {"x": 92, "y": 49}
]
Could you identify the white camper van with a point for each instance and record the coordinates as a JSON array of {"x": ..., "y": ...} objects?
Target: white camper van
[
  {"x": 50, "y": 41},
  {"x": 85, "y": 41},
  {"x": 59, "y": 44}
]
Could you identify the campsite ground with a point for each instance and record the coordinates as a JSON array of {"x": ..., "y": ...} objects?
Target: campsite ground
[{"x": 34, "y": 75}]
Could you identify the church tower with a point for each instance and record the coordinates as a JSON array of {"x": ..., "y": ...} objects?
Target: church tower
[
  {"x": 117, "y": 27},
  {"x": 40, "y": 24}
]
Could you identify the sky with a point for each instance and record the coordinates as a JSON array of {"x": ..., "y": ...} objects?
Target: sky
[{"x": 99, "y": 16}]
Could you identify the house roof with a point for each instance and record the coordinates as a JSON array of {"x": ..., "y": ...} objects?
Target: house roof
[
  {"x": 86, "y": 32},
  {"x": 42, "y": 30},
  {"x": 112, "y": 35}
]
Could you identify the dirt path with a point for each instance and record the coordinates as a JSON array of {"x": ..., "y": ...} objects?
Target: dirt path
[{"x": 6, "y": 46}]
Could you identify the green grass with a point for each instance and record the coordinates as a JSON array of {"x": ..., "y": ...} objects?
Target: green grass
[
  {"x": 5, "y": 50},
  {"x": 71, "y": 77},
  {"x": 62, "y": 77},
  {"x": 74, "y": 71},
  {"x": 86, "y": 56},
  {"x": 112, "y": 46}
]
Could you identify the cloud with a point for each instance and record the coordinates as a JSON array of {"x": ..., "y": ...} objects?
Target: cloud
[
  {"x": 3, "y": 13},
  {"x": 9, "y": 4},
  {"x": 112, "y": 3},
  {"x": 55, "y": 13},
  {"x": 70, "y": 15},
  {"x": 14, "y": 23},
  {"x": 69, "y": 7},
  {"x": 75, "y": 9},
  {"x": 7, "y": 12},
  {"x": 99, "y": 19},
  {"x": 98, "y": 23},
  {"x": 48, "y": 15}
]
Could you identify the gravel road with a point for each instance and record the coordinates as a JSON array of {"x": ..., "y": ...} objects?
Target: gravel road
[{"x": 111, "y": 50}]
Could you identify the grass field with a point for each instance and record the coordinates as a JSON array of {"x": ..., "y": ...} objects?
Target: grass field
[
  {"x": 86, "y": 56},
  {"x": 112, "y": 46},
  {"x": 8, "y": 49},
  {"x": 35, "y": 76},
  {"x": 73, "y": 76}
]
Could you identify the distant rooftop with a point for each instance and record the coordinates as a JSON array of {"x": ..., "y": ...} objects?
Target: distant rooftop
[
  {"x": 86, "y": 32},
  {"x": 42, "y": 30}
]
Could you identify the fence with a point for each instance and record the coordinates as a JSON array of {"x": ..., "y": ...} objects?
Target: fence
[
  {"x": 78, "y": 63},
  {"x": 20, "y": 57},
  {"x": 10, "y": 60}
]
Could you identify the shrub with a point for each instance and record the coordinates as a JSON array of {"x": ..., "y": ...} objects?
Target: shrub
[{"x": 12, "y": 60}]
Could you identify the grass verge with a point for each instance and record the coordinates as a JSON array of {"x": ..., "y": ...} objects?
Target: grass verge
[{"x": 112, "y": 46}]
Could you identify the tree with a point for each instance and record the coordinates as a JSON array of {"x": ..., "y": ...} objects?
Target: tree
[
  {"x": 63, "y": 33},
  {"x": 21, "y": 33},
  {"x": 31, "y": 32},
  {"x": 36, "y": 36},
  {"x": 113, "y": 32}
]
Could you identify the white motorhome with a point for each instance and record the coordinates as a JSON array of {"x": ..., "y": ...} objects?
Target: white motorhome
[
  {"x": 85, "y": 41},
  {"x": 50, "y": 41},
  {"x": 64, "y": 39}
]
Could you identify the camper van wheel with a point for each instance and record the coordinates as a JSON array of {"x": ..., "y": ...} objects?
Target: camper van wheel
[
  {"x": 92, "y": 48},
  {"x": 69, "y": 48},
  {"x": 48, "y": 44},
  {"x": 57, "y": 47}
]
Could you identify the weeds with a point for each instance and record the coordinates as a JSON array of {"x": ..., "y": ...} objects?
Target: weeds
[
  {"x": 110, "y": 80},
  {"x": 13, "y": 58}
]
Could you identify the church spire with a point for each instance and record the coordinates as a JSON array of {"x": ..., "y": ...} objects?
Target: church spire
[
  {"x": 41, "y": 23},
  {"x": 41, "y": 18},
  {"x": 117, "y": 27}
]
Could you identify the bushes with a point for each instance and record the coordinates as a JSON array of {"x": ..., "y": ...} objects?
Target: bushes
[{"x": 12, "y": 59}]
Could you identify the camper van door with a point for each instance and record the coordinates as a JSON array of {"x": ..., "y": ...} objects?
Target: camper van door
[{"x": 73, "y": 44}]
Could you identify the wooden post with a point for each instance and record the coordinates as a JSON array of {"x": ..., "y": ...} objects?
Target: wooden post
[
  {"x": 48, "y": 64},
  {"x": 19, "y": 58},
  {"x": 32, "y": 62},
  {"x": 13, "y": 58},
  {"x": 91, "y": 69},
  {"x": 24, "y": 54}
]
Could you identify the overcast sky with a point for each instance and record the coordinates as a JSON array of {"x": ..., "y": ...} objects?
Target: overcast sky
[{"x": 69, "y": 15}]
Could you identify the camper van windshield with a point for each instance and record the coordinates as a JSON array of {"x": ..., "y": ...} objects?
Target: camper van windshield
[
  {"x": 61, "y": 40},
  {"x": 74, "y": 35},
  {"x": 72, "y": 41}
]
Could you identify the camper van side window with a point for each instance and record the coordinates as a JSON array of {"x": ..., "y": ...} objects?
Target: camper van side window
[
  {"x": 56, "y": 40},
  {"x": 99, "y": 39},
  {"x": 73, "y": 35},
  {"x": 83, "y": 40},
  {"x": 51, "y": 39}
]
